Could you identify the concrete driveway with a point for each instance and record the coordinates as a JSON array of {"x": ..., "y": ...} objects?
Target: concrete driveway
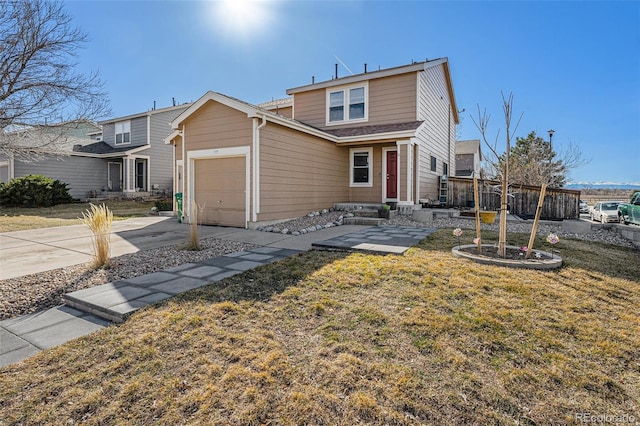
[{"x": 38, "y": 250}]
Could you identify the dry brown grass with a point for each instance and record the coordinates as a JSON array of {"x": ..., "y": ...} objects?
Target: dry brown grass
[
  {"x": 337, "y": 339},
  {"x": 18, "y": 219}
]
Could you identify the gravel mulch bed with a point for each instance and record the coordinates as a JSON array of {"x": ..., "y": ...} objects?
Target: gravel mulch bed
[
  {"x": 33, "y": 293},
  {"x": 36, "y": 292}
]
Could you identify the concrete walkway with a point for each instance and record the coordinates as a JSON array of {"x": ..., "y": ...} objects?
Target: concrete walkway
[
  {"x": 38, "y": 250},
  {"x": 94, "y": 308}
]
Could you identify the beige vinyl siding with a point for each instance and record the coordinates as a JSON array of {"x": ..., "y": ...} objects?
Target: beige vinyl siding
[
  {"x": 177, "y": 148},
  {"x": 390, "y": 100},
  {"x": 371, "y": 194},
  {"x": 309, "y": 107},
  {"x": 217, "y": 126},
  {"x": 437, "y": 134},
  {"x": 393, "y": 99},
  {"x": 285, "y": 111},
  {"x": 213, "y": 126},
  {"x": 299, "y": 173}
]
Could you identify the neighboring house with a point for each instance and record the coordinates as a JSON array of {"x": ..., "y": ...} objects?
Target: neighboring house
[
  {"x": 133, "y": 146},
  {"x": 279, "y": 106},
  {"x": 46, "y": 150},
  {"x": 381, "y": 136},
  {"x": 468, "y": 158},
  {"x": 121, "y": 157}
]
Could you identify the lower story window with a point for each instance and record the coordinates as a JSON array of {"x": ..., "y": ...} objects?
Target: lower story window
[
  {"x": 361, "y": 167},
  {"x": 433, "y": 163}
]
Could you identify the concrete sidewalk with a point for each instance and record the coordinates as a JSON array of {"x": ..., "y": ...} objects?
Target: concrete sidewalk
[
  {"x": 29, "y": 252},
  {"x": 97, "y": 307}
]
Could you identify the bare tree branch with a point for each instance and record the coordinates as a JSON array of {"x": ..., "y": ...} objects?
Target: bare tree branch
[{"x": 39, "y": 84}]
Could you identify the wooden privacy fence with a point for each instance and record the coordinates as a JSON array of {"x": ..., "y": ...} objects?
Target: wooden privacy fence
[{"x": 559, "y": 203}]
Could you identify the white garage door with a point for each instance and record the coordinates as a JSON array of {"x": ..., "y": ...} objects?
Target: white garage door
[{"x": 220, "y": 190}]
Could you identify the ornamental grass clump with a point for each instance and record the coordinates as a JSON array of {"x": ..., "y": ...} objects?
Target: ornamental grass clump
[
  {"x": 99, "y": 219},
  {"x": 194, "y": 241}
]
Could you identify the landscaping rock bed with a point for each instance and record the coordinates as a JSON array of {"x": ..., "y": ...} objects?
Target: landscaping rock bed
[
  {"x": 314, "y": 221},
  {"x": 36, "y": 292}
]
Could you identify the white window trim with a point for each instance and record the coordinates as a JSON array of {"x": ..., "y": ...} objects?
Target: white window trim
[
  {"x": 115, "y": 133},
  {"x": 433, "y": 172},
  {"x": 353, "y": 184},
  {"x": 346, "y": 90}
]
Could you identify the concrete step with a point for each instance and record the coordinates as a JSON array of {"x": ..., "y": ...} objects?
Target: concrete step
[
  {"x": 351, "y": 207},
  {"x": 365, "y": 213},
  {"x": 84, "y": 305},
  {"x": 369, "y": 221}
]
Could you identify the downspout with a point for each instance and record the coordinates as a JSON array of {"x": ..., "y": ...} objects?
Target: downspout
[
  {"x": 256, "y": 165},
  {"x": 449, "y": 140},
  {"x": 148, "y": 162},
  {"x": 185, "y": 206},
  {"x": 11, "y": 169}
]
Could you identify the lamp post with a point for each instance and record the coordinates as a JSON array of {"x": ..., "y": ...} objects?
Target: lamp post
[{"x": 551, "y": 132}]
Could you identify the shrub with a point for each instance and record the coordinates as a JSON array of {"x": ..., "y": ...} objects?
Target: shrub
[
  {"x": 34, "y": 191},
  {"x": 164, "y": 205}
]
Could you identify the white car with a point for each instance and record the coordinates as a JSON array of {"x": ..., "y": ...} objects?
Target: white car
[
  {"x": 605, "y": 211},
  {"x": 584, "y": 207}
]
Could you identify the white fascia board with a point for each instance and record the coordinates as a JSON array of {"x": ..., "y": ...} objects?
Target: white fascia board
[
  {"x": 405, "y": 134},
  {"x": 217, "y": 97},
  {"x": 172, "y": 136},
  {"x": 251, "y": 111}
]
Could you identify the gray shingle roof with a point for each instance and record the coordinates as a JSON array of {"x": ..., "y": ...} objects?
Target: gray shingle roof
[
  {"x": 102, "y": 148},
  {"x": 373, "y": 129}
]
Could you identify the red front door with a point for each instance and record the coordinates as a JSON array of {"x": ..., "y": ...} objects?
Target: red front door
[{"x": 392, "y": 174}]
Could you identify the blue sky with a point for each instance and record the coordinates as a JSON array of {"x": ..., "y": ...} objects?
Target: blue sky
[{"x": 572, "y": 66}]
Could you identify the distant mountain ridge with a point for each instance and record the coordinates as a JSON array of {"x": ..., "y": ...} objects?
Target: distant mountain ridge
[{"x": 603, "y": 185}]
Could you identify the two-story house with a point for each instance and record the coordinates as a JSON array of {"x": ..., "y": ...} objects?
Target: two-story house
[
  {"x": 120, "y": 157},
  {"x": 375, "y": 137},
  {"x": 133, "y": 147}
]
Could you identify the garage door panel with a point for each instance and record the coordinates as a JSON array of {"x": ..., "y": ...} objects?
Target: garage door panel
[{"x": 220, "y": 190}]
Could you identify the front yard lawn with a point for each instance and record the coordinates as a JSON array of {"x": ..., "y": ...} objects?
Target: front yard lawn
[
  {"x": 18, "y": 219},
  {"x": 342, "y": 339}
]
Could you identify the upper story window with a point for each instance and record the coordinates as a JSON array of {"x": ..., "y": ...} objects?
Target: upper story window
[
  {"x": 123, "y": 132},
  {"x": 347, "y": 104}
]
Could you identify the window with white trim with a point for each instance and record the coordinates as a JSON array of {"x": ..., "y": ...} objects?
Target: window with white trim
[
  {"x": 433, "y": 164},
  {"x": 123, "y": 133},
  {"x": 347, "y": 104},
  {"x": 361, "y": 167}
]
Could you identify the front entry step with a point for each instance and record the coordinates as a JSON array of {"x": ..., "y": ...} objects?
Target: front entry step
[{"x": 369, "y": 221}]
